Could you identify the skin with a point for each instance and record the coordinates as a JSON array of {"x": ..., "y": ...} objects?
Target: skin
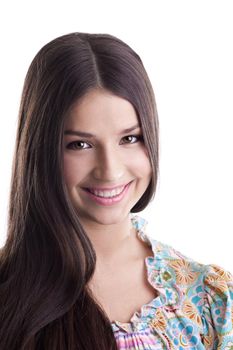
[{"x": 107, "y": 160}]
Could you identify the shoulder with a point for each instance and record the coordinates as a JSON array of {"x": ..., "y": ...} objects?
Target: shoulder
[
  {"x": 196, "y": 295},
  {"x": 180, "y": 269},
  {"x": 187, "y": 272},
  {"x": 205, "y": 292}
]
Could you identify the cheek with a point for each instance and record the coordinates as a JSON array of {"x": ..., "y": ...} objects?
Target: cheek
[
  {"x": 140, "y": 164},
  {"x": 73, "y": 171}
]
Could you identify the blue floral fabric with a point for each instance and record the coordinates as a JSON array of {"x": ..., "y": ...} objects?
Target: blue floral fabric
[{"x": 193, "y": 309}]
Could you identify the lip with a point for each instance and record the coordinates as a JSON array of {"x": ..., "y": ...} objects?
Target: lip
[
  {"x": 109, "y": 201},
  {"x": 106, "y": 188}
]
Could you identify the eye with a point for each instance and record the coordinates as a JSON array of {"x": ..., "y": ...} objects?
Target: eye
[
  {"x": 132, "y": 138},
  {"x": 78, "y": 145},
  {"x": 81, "y": 145}
]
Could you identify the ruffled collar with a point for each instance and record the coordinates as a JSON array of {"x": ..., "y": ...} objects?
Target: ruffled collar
[{"x": 160, "y": 276}]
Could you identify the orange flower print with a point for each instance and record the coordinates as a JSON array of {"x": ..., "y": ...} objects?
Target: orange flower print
[
  {"x": 183, "y": 271},
  {"x": 190, "y": 311},
  {"x": 208, "y": 341},
  {"x": 216, "y": 284},
  {"x": 159, "y": 322},
  {"x": 222, "y": 274}
]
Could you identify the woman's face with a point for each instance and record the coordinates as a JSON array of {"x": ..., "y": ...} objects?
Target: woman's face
[{"x": 106, "y": 166}]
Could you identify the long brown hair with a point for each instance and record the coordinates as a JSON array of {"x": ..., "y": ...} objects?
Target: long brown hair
[{"x": 48, "y": 259}]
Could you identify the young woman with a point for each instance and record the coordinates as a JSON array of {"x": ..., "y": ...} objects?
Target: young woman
[{"x": 79, "y": 270}]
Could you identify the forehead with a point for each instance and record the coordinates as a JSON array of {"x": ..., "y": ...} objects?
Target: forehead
[{"x": 100, "y": 108}]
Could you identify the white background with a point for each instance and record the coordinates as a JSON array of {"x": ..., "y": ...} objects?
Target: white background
[{"x": 186, "y": 47}]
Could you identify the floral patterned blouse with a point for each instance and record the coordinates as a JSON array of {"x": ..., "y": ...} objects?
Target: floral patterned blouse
[{"x": 193, "y": 309}]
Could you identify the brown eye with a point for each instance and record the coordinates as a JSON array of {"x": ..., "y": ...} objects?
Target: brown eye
[
  {"x": 132, "y": 138},
  {"x": 78, "y": 145}
]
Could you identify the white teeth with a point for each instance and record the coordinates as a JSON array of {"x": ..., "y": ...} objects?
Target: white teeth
[{"x": 108, "y": 194}]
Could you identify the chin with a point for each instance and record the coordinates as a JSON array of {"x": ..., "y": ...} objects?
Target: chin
[{"x": 112, "y": 217}]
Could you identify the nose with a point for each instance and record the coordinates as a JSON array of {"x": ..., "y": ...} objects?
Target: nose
[{"x": 109, "y": 166}]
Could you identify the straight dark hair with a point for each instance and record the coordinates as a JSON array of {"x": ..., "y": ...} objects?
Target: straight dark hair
[{"x": 48, "y": 259}]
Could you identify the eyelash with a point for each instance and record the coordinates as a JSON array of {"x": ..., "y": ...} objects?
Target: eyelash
[{"x": 72, "y": 145}]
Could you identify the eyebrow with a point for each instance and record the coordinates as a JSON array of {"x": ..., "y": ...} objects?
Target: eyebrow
[{"x": 86, "y": 134}]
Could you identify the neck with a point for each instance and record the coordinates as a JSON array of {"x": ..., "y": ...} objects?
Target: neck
[{"x": 110, "y": 241}]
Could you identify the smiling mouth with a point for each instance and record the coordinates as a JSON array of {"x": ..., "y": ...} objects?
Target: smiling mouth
[
  {"x": 107, "y": 193},
  {"x": 106, "y": 197}
]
